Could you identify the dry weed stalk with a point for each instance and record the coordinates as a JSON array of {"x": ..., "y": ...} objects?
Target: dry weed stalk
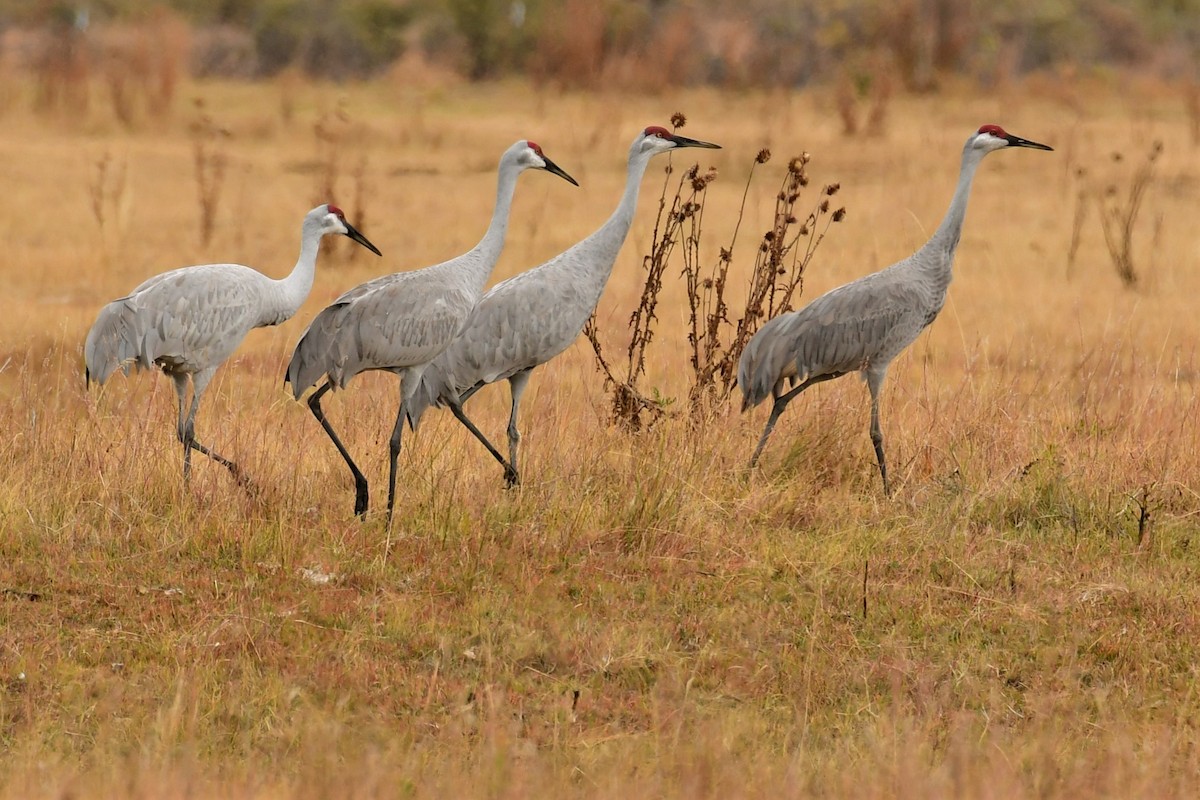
[
  {"x": 330, "y": 132},
  {"x": 868, "y": 91},
  {"x": 716, "y": 340},
  {"x": 783, "y": 255},
  {"x": 361, "y": 191},
  {"x": 628, "y": 401},
  {"x": 210, "y": 159},
  {"x": 1118, "y": 218},
  {"x": 108, "y": 191}
]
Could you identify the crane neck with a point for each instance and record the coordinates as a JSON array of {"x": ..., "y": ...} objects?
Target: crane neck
[
  {"x": 611, "y": 235},
  {"x": 944, "y": 241},
  {"x": 622, "y": 217},
  {"x": 487, "y": 252},
  {"x": 295, "y": 287}
]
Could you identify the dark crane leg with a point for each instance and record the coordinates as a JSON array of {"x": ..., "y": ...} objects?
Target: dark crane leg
[
  {"x": 394, "y": 454},
  {"x": 456, "y": 407},
  {"x": 516, "y": 385},
  {"x": 186, "y": 429},
  {"x": 874, "y": 384},
  {"x": 780, "y": 404},
  {"x": 360, "y": 480}
]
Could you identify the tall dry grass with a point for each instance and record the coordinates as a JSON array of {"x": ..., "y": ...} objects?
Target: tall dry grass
[{"x": 642, "y": 617}]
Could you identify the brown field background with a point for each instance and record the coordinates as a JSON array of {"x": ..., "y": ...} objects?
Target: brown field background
[{"x": 642, "y": 617}]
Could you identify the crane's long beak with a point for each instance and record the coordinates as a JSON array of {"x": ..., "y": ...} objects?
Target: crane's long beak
[
  {"x": 559, "y": 171},
  {"x": 1017, "y": 141},
  {"x": 358, "y": 237},
  {"x": 683, "y": 141}
]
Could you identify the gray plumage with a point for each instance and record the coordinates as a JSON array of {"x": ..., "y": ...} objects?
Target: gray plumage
[
  {"x": 401, "y": 322},
  {"x": 527, "y": 320},
  {"x": 186, "y": 322},
  {"x": 862, "y": 326}
]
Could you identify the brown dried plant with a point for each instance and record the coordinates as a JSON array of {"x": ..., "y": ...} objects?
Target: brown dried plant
[
  {"x": 210, "y": 160},
  {"x": 628, "y": 402},
  {"x": 716, "y": 340},
  {"x": 783, "y": 255},
  {"x": 1118, "y": 216},
  {"x": 331, "y": 131},
  {"x": 108, "y": 192}
]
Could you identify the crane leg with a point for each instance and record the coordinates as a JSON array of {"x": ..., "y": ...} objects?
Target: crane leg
[
  {"x": 360, "y": 480},
  {"x": 393, "y": 456},
  {"x": 516, "y": 385},
  {"x": 459, "y": 414},
  {"x": 780, "y": 404},
  {"x": 187, "y": 429},
  {"x": 874, "y": 384}
]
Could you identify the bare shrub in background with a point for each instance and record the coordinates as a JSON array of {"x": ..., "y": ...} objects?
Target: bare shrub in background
[
  {"x": 110, "y": 200},
  {"x": 862, "y": 97},
  {"x": 715, "y": 339},
  {"x": 1119, "y": 212},
  {"x": 333, "y": 132},
  {"x": 208, "y": 153}
]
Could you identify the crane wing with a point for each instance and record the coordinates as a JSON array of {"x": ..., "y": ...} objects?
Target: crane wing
[
  {"x": 864, "y": 323},
  {"x": 184, "y": 320}
]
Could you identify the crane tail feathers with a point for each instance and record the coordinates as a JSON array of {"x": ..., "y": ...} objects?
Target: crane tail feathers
[
  {"x": 120, "y": 338},
  {"x": 429, "y": 393},
  {"x": 319, "y": 352}
]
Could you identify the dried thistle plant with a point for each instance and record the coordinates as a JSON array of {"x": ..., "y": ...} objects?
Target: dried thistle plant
[
  {"x": 629, "y": 404},
  {"x": 330, "y": 131},
  {"x": 715, "y": 340},
  {"x": 108, "y": 192},
  {"x": 783, "y": 255},
  {"x": 1118, "y": 216},
  {"x": 210, "y": 160}
]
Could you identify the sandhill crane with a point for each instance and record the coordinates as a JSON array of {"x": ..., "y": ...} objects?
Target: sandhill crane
[
  {"x": 401, "y": 322},
  {"x": 527, "y": 320},
  {"x": 862, "y": 326},
  {"x": 188, "y": 321}
]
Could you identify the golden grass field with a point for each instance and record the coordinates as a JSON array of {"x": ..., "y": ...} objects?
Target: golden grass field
[{"x": 642, "y": 618}]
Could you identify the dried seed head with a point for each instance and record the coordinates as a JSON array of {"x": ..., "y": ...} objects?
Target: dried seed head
[
  {"x": 782, "y": 196},
  {"x": 804, "y": 229},
  {"x": 708, "y": 283},
  {"x": 791, "y": 220},
  {"x": 840, "y": 214},
  {"x": 762, "y": 248},
  {"x": 691, "y": 172},
  {"x": 793, "y": 197},
  {"x": 795, "y": 166},
  {"x": 803, "y": 180},
  {"x": 726, "y": 255},
  {"x": 769, "y": 236},
  {"x": 824, "y": 206},
  {"x": 763, "y": 156},
  {"x": 780, "y": 271},
  {"x": 678, "y": 120},
  {"x": 832, "y": 189},
  {"x": 1117, "y": 157}
]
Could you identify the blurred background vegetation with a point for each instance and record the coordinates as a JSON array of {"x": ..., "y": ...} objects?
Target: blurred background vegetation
[{"x": 647, "y": 44}]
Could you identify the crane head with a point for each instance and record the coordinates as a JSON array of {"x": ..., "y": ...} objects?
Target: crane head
[
  {"x": 993, "y": 137},
  {"x": 538, "y": 160},
  {"x": 660, "y": 139},
  {"x": 333, "y": 220}
]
